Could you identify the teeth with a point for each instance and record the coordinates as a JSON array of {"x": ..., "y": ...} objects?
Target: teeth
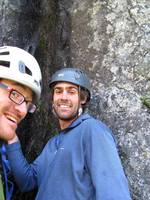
[
  {"x": 64, "y": 106},
  {"x": 12, "y": 119}
]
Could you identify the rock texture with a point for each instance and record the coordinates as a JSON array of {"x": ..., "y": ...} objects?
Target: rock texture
[{"x": 110, "y": 40}]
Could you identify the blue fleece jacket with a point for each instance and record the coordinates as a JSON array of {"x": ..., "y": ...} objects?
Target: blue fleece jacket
[{"x": 80, "y": 163}]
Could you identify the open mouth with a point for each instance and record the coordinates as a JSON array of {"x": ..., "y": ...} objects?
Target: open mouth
[
  {"x": 64, "y": 106},
  {"x": 11, "y": 118}
]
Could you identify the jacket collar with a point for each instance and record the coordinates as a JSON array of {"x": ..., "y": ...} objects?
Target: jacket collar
[{"x": 76, "y": 122}]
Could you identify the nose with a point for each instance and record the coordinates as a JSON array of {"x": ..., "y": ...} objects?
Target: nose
[{"x": 64, "y": 95}]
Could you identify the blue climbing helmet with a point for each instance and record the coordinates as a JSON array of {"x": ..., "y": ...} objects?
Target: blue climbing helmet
[{"x": 72, "y": 75}]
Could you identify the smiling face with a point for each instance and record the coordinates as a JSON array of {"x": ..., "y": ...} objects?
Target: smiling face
[
  {"x": 66, "y": 103},
  {"x": 10, "y": 113}
]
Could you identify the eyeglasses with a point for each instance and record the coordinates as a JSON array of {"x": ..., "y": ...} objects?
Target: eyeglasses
[{"x": 18, "y": 98}]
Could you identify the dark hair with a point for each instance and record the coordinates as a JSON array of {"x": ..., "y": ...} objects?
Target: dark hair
[{"x": 84, "y": 95}]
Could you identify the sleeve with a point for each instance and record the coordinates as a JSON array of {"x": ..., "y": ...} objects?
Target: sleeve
[
  {"x": 104, "y": 164},
  {"x": 25, "y": 174}
]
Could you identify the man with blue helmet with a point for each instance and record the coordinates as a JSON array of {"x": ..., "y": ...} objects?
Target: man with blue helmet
[{"x": 81, "y": 162}]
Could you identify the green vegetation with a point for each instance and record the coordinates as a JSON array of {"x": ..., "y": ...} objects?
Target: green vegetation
[{"x": 146, "y": 101}]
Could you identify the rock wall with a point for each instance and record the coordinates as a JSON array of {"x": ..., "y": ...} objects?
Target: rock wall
[{"x": 110, "y": 40}]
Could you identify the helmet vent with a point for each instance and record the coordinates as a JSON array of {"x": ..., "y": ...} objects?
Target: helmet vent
[
  {"x": 4, "y": 53},
  {"x": 28, "y": 71},
  {"x": 24, "y": 69},
  {"x": 4, "y": 63}
]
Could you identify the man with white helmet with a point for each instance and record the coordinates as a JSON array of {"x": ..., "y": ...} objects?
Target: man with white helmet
[
  {"x": 81, "y": 162},
  {"x": 20, "y": 88}
]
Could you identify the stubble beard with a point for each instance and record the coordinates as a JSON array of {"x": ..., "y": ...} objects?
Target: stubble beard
[{"x": 71, "y": 117}]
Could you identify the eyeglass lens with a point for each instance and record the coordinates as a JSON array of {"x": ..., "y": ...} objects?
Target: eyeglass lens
[{"x": 18, "y": 98}]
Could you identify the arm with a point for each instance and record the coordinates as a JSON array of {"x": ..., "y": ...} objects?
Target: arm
[
  {"x": 24, "y": 173},
  {"x": 104, "y": 164}
]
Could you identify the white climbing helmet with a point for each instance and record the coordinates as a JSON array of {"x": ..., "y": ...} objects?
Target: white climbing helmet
[{"x": 18, "y": 65}]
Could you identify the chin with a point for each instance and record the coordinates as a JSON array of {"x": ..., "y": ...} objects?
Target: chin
[
  {"x": 63, "y": 117},
  {"x": 67, "y": 117},
  {"x": 7, "y": 137}
]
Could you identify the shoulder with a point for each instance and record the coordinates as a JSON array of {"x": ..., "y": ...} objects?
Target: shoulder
[
  {"x": 94, "y": 128},
  {"x": 92, "y": 122}
]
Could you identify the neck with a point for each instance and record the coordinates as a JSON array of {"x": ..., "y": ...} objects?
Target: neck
[{"x": 64, "y": 123}]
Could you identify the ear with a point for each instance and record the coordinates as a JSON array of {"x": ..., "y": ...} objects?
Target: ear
[{"x": 83, "y": 101}]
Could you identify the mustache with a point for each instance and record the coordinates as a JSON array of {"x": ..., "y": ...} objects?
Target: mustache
[{"x": 65, "y": 102}]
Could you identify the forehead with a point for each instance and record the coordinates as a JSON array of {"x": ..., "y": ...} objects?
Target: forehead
[
  {"x": 12, "y": 83},
  {"x": 65, "y": 85},
  {"x": 16, "y": 85}
]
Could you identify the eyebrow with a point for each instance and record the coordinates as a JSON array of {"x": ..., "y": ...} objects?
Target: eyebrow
[
  {"x": 18, "y": 84},
  {"x": 24, "y": 87},
  {"x": 68, "y": 87}
]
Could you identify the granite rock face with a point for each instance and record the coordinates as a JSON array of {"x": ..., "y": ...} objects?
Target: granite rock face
[{"x": 111, "y": 41}]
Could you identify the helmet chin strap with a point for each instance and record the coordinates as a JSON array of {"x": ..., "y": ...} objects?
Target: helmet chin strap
[{"x": 80, "y": 111}]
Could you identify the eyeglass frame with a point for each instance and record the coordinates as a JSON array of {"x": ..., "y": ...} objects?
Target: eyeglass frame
[{"x": 31, "y": 108}]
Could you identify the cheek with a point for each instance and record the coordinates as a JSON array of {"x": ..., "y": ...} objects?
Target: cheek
[
  {"x": 23, "y": 115},
  {"x": 76, "y": 100},
  {"x": 55, "y": 99},
  {"x": 23, "y": 112},
  {"x": 3, "y": 97},
  {"x": 0, "y": 108},
  {"x": 4, "y": 102}
]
